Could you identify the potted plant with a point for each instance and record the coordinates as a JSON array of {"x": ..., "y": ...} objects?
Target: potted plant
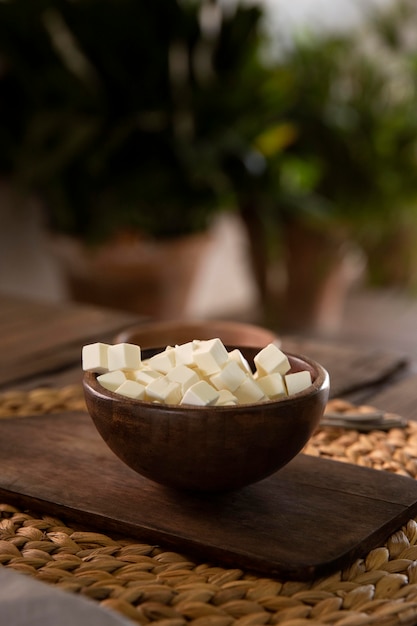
[
  {"x": 336, "y": 162},
  {"x": 390, "y": 246},
  {"x": 115, "y": 114}
]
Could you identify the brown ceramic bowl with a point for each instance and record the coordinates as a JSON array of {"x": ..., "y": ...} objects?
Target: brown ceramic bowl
[
  {"x": 171, "y": 332},
  {"x": 208, "y": 448}
]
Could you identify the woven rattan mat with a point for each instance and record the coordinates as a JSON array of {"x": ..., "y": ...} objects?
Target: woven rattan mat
[{"x": 150, "y": 585}]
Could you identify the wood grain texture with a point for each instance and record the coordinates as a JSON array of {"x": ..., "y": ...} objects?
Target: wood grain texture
[
  {"x": 40, "y": 337},
  {"x": 399, "y": 397},
  {"x": 306, "y": 520},
  {"x": 351, "y": 367}
]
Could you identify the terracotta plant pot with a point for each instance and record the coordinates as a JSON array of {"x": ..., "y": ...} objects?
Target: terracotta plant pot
[
  {"x": 149, "y": 277},
  {"x": 320, "y": 267},
  {"x": 305, "y": 289}
]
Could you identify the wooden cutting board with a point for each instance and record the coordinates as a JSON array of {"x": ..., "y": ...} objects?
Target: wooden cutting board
[{"x": 308, "y": 519}]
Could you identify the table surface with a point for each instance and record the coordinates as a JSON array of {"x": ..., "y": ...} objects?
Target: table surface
[{"x": 41, "y": 346}]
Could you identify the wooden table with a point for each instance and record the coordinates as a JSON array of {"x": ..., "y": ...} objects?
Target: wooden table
[{"x": 41, "y": 343}]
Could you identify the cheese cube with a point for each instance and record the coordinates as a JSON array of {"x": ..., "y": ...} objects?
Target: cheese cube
[
  {"x": 237, "y": 356},
  {"x": 298, "y": 381},
  {"x": 145, "y": 375},
  {"x": 124, "y": 356},
  {"x": 164, "y": 390},
  {"x": 201, "y": 394},
  {"x": 95, "y": 357},
  {"x": 226, "y": 398},
  {"x": 249, "y": 391},
  {"x": 163, "y": 361},
  {"x": 273, "y": 385},
  {"x": 229, "y": 377},
  {"x": 183, "y": 375},
  {"x": 112, "y": 380},
  {"x": 270, "y": 360},
  {"x": 210, "y": 356},
  {"x": 132, "y": 389},
  {"x": 184, "y": 353}
]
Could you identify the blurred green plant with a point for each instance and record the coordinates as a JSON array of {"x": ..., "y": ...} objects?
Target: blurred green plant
[
  {"x": 340, "y": 154},
  {"x": 118, "y": 113},
  {"x": 351, "y": 154}
]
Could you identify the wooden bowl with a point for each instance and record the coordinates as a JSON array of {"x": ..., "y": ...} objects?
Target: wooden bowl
[
  {"x": 208, "y": 448},
  {"x": 171, "y": 332}
]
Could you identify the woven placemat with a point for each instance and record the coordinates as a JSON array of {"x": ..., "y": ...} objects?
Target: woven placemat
[{"x": 151, "y": 585}]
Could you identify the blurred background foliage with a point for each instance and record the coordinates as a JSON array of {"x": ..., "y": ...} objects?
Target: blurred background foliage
[
  {"x": 117, "y": 111},
  {"x": 157, "y": 115}
]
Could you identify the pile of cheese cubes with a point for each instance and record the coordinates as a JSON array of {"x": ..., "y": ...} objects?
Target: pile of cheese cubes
[{"x": 199, "y": 373}]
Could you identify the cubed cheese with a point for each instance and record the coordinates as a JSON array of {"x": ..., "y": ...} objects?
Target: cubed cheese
[
  {"x": 229, "y": 377},
  {"x": 183, "y": 375},
  {"x": 210, "y": 356},
  {"x": 95, "y": 357},
  {"x": 270, "y": 360},
  {"x": 226, "y": 398},
  {"x": 199, "y": 372},
  {"x": 249, "y": 391},
  {"x": 163, "y": 361},
  {"x": 112, "y": 380},
  {"x": 237, "y": 356},
  {"x": 145, "y": 375},
  {"x": 124, "y": 356},
  {"x": 297, "y": 381},
  {"x": 272, "y": 385},
  {"x": 132, "y": 389},
  {"x": 200, "y": 394},
  {"x": 164, "y": 390},
  {"x": 184, "y": 353}
]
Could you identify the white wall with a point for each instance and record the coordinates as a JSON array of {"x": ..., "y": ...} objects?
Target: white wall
[
  {"x": 286, "y": 17},
  {"x": 321, "y": 14}
]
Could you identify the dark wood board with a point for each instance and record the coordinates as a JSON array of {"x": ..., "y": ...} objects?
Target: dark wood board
[
  {"x": 308, "y": 519},
  {"x": 40, "y": 337},
  {"x": 351, "y": 367},
  {"x": 399, "y": 397}
]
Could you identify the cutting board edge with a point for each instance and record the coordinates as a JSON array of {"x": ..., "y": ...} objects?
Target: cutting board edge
[
  {"x": 394, "y": 499},
  {"x": 194, "y": 549}
]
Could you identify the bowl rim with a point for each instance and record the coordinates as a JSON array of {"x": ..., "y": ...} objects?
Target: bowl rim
[
  {"x": 319, "y": 383},
  {"x": 193, "y": 322},
  {"x": 172, "y": 325}
]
